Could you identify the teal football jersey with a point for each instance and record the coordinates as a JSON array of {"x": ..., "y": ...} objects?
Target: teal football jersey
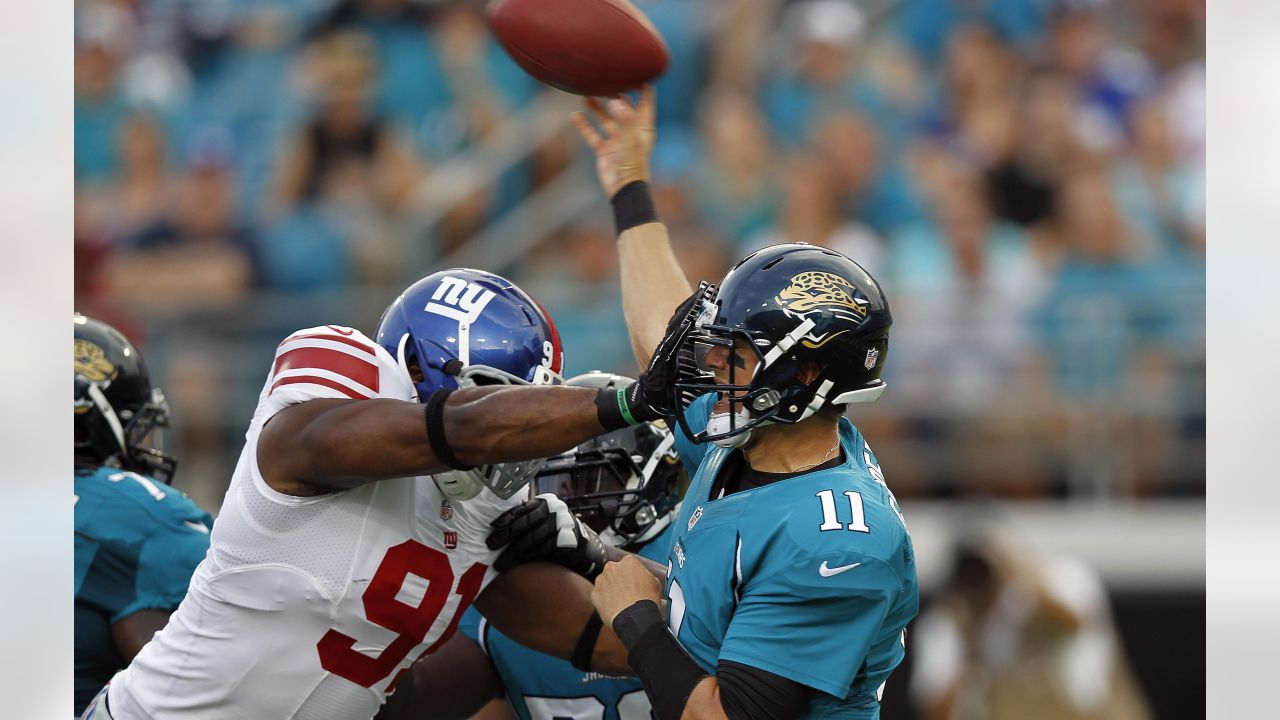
[
  {"x": 541, "y": 687},
  {"x": 811, "y": 578},
  {"x": 137, "y": 541}
]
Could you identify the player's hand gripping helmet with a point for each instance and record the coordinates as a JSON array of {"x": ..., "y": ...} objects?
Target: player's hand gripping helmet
[
  {"x": 461, "y": 328},
  {"x": 789, "y": 305},
  {"x": 625, "y": 484},
  {"x": 116, "y": 408}
]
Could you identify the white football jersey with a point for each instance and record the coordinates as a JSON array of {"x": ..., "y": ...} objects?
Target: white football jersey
[{"x": 312, "y": 608}]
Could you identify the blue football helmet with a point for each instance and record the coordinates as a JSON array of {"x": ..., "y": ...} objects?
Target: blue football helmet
[{"x": 461, "y": 328}]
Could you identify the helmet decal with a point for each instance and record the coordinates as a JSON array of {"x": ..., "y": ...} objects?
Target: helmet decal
[
  {"x": 462, "y": 301},
  {"x": 458, "y": 299},
  {"x": 91, "y": 362},
  {"x": 821, "y": 291}
]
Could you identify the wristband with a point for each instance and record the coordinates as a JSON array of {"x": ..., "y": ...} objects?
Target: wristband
[
  {"x": 632, "y": 206},
  {"x": 665, "y": 669},
  {"x": 435, "y": 431},
  {"x": 586, "y": 646},
  {"x": 612, "y": 410}
]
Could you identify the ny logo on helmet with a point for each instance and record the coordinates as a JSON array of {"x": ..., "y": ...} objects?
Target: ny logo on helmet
[
  {"x": 458, "y": 299},
  {"x": 816, "y": 291}
]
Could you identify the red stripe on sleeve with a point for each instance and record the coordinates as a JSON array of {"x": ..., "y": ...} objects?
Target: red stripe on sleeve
[
  {"x": 356, "y": 369},
  {"x": 316, "y": 380}
]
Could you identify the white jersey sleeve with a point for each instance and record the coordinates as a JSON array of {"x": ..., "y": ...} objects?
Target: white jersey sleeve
[{"x": 330, "y": 361}]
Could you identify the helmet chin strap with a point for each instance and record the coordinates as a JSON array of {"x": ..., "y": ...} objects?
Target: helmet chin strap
[
  {"x": 459, "y": 485},
  {"x": 721, "y": 422}
]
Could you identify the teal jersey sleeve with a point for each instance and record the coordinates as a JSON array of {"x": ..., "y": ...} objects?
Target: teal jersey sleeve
[
  {"x": 697, "y": 414},
  {"x": 137, "y": 542},
  {"x": 813, "y": 621}
]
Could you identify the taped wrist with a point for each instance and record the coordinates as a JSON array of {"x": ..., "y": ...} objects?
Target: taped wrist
[
  {"x": 665, "y": 669},
  {"x": 435, "y": 431},
  {"x": 586, "y": 646},
  {"x": 613, "y": 412},
  {"x": 632, "y": 206}
]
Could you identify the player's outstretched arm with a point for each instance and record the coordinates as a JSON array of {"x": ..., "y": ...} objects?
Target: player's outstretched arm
[
  {"x": 652, "y": 282},
  {"x": 329, "y": 444},
  {"x": 326, "y": 444}
]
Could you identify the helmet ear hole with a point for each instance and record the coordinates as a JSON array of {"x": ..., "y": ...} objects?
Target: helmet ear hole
[{"x": 808, "y": 370}]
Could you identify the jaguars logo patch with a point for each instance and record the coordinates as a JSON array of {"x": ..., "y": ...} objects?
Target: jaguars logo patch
[
  {"x": 816, "y": 291},
  {"x": 91, "y": 363}
]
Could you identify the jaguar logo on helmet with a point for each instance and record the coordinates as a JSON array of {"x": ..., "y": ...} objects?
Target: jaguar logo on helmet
[
  {"x": 821, "y": 292},
  {"x": 91, "y": 363}
]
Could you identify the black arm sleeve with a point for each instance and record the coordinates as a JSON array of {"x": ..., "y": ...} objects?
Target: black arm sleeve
[{"x": 749, "y": 693}]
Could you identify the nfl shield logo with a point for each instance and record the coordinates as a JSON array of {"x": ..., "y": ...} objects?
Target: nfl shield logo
[
  {"x": 446, "y": 510},
  {"x": 450, "y": 540},
  {"x": 693, "y": 519},
  {"x": 872, "y": 356}
]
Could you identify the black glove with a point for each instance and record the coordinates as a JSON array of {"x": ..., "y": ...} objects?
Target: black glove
[
  {"x": 651, "y": 396},
  {"x": 545, "y": 529}
]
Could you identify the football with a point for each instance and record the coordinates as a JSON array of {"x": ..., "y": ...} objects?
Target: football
[{"x": 586, "y": 47}]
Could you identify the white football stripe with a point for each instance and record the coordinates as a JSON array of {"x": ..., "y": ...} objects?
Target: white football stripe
[{"x": 366, "y": 355}]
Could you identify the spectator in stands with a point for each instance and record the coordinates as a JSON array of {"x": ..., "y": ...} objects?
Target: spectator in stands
[
  {"x": 872, "y": 184},
  {"x": 199, "y": 254},
  {"x": 576, "y": 276},
  {"x": 143, "y": 189},
  {"x": 1105, "y": 307},
  {"x": 1159, "y": 193},
  {"x": 735, "y": 188},
  {"x": 1106, "y": 78},
  {"x": 1014, "y": 636},
  {"x": 1024, "y": 179},
  {"x": 926, "y": 26},
  {"x": 102, "y": 39},
  {"x": 817, "y": 73},
  {"x": 346, "y": 153},
  {"x": 811, "y": 213},
  {"x": 964, "y": 285}
]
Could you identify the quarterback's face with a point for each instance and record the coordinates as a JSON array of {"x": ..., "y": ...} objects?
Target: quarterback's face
[{"x": 735, "y": 367}]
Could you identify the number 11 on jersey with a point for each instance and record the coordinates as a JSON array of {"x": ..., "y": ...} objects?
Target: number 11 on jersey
[{"x": 829, "y": 519}]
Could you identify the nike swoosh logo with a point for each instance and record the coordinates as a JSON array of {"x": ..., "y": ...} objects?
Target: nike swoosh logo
[
  {"x": 198, "y": 527},
  {"x": 825, "y": 571}
]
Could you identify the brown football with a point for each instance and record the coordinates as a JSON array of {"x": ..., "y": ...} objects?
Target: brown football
[{"x": 587, "y": 47}]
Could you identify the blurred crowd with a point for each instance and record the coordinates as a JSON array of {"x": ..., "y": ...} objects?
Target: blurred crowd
[{"x": 1025, "y": 177}]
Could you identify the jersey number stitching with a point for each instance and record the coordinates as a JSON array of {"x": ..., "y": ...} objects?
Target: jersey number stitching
[{"x": 381, "y": 606}]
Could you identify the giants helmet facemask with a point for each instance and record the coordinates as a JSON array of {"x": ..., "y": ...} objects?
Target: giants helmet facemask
[
  {"x": 116, "y": 408},
  {"x": 791, "y": 305},
  {"x": 625, "y": 484},
  {"x": 461, "y": 328}
]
